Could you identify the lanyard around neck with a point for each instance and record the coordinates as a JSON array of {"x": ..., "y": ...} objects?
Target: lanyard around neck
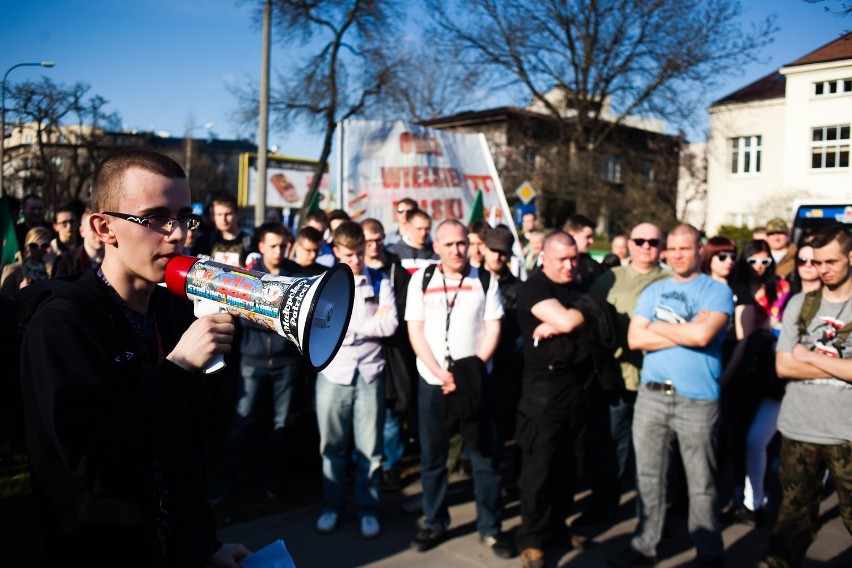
[{"x": 451, "y": 304}]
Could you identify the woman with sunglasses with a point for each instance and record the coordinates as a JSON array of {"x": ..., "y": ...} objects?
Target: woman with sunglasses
[
  {"x": 35, "y": 266},
  {"x": 718, "y": 261},
  {"x": 755, "y": 384},
  {"x": 765, "y": 423}
]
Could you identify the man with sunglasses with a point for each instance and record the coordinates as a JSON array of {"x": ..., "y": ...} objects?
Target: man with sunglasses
[
  {"x": 113, "y": 390},
  {"x": 680, "y": 324},
  {"x": 621, "y": 286},
  {"x": 814, "y": 353},
  {"x": 403, "y": 206}
]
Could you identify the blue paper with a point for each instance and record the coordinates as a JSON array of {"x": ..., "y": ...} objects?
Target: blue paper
[{"x": 273, "y": 555}]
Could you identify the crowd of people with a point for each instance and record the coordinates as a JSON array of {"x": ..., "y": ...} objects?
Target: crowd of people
[{"x": 541, "y": 371}]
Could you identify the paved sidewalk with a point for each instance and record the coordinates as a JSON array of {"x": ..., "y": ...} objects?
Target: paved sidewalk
[{"x": 346, "y": 547}]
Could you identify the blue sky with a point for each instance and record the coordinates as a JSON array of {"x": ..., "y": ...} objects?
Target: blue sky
[{"x": 164, "y": 64}]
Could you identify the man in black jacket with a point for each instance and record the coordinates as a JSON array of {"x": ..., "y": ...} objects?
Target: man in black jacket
[
  {"x": 561, "y": 328},
  {"x": 267, "y": 360},
  {"x": 112, "y": 390}
]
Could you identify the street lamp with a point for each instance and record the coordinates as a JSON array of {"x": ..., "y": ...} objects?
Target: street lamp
[
  {"x": 187, "y": 152},
  {"x": 3, "y": 113}
]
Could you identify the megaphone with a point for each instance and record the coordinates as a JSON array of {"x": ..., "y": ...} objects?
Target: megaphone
[{"x": 312, "y": 313}]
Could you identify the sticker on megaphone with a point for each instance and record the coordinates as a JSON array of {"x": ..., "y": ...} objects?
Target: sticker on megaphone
[{"x": 311, "y": 312}]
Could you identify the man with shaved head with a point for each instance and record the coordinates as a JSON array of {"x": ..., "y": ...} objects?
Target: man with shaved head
[
  {"x": 621, "y": 286},
  {"x": 679, "y": 323},
  {"x": 454, "y": 326},
  {"x": 560, "y": 331}
]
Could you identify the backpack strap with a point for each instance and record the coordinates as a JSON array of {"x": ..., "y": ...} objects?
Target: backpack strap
[
  {"x": 428, "y": 272},
  {"x": 375, "y": 280},
  {"x": 484, "y": 279}
]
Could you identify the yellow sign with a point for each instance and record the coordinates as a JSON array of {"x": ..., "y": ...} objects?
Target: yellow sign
[{"x": 526, "y": 192}]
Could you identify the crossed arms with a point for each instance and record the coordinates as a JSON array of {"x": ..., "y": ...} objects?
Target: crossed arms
[{"x": 652, "y": 336}]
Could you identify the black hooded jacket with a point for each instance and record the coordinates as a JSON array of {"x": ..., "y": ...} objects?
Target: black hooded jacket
[{"x": 108, "y": 435}]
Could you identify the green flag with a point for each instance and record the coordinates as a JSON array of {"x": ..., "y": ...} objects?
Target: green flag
[
  {"x": 476, "y": 212},
  {"x": 7, "y": 230},
  {"x": 313, "y": 206}
]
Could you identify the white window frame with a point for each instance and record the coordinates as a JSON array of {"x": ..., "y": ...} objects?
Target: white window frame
[
  {"x": 746, "y": 154},
  {"x": 824, "y": 147},
  {"x": 841, "y": 87}
]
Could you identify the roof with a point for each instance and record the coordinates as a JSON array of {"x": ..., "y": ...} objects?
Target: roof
[
  {"x": 773, "y": 86},
  {"x": 836, "y": 50}
]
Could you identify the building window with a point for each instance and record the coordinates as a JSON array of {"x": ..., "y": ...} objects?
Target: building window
[
  {"x": 838, "y": 87},
  {"x": 745, "y": 154},
  {"x": 647, "y": 173},
  {"x": 830, "y": 147},
  {"x": 529, "y": 159},
  {"x": 611, "y": 170}
]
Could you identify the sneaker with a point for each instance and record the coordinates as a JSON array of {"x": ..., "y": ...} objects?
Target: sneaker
[
  {"x": 327, "y": 522},
  {"x": 631, "y": 557},
  {"x": 370, "y": 526},
  {"x": 499, "y": 545},
  {"x": 426, "y": 539},
  {"x": 744, "y": 516},
  {"x": 532, "y": 558}
]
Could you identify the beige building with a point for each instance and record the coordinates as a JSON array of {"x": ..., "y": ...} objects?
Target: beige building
[{"x": 782, "y": 138}]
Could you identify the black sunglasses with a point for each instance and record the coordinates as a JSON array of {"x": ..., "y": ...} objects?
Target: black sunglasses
[
  {"x": 804, "y": 261},
  {"x": 653, "y": 243},
  {"x": 723, "y": 256}
]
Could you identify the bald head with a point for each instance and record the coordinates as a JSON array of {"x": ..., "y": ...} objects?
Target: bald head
[
  {"x": 645, "y": 246},
  {"x": 559, "y": 257}
]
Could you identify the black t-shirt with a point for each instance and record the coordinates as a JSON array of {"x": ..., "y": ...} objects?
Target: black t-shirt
[{"x": 562, "y": 351}]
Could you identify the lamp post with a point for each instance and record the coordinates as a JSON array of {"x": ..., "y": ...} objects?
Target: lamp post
[
  {"x": 187, "y": 153},
  {"x": 3, "y": 114}
]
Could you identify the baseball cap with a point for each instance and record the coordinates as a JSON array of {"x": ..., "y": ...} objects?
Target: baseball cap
[{"x": 776, "y": 226}]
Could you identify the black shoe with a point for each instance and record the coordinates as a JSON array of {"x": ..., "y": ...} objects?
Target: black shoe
[
  {"x": 412, "y": 505},
  {"x": 567, "y": 538},
  {"x": 631, "y": 557},
  {"x": 391, "y": 481},
  {"x": 744, "y": 516},
  {"x": 426, "y": 539},
  {"x": 499, "y": 545}
]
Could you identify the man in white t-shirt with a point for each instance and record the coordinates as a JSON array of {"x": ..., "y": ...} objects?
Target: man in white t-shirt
[{"x": 454, "y": 322}]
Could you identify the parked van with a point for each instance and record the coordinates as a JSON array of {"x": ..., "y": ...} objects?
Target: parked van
[{"x": 812, "y": 216}]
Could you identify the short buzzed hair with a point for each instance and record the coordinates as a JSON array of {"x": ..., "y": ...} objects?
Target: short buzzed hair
[
  {"x": 276, "y": 229},
  {"x": 687, "y": 229},
  {"x": 373, "y": 225},
  {"x": 410, "y": 215},
  {"x": 108, "y": 181},
  {"x": 309, "y": 233},
  {"x": 577, "y": 223},
  {"x": 348, "y": 234},
  {"x": 560, "y": 237}
]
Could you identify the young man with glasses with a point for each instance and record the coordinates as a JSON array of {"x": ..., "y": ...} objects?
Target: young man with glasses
[
  {"x": 113, "y": 390},
  {"x": 65, "y": 226}
]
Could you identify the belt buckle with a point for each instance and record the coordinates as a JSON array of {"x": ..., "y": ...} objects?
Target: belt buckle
[{"x": 668, "y": 388}]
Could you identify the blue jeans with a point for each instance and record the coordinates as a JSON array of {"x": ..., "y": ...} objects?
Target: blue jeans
[
  {"x": 656, "y": 419},
  {"x": 392, "y": 437},
  {"x": 282, "y": 380},
  {"x": 433, "y": 465},
  {"x": 345, "y": 412}
]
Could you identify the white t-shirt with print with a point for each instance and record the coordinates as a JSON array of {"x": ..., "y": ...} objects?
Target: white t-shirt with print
[{"x": 472, "y": 307}]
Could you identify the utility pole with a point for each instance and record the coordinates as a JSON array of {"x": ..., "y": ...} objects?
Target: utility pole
[{"x": 263, "y": 122}]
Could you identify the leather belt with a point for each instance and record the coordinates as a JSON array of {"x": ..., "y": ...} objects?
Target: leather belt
[{"x": 665, "y": 387}]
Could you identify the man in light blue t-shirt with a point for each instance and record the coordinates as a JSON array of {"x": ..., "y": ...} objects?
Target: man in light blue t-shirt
[{"x": 679, "y": 323}]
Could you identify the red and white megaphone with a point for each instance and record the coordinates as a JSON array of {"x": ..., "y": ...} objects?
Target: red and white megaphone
[{"x": 312, "y": 313}]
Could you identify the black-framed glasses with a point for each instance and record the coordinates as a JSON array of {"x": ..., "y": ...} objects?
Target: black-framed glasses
[
  {"x": 754, "y": 261},
  {"x": 188, "y": 222},
  {"x": 723, "y": 256},
  {"x": 805, "y": 261},
  {"x": 653, "y": 243}
]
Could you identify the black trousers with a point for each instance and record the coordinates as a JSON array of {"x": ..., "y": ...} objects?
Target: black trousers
[{"x": 553, "y": 418}]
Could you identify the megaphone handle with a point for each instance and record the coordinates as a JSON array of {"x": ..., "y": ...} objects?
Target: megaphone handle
[{"x": 209, "y": 308}]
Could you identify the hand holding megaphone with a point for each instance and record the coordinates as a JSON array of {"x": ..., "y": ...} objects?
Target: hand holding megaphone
[{"x": 312, "y": 313}]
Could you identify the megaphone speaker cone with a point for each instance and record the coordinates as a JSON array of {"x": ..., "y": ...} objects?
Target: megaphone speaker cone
[{"x": 327, "y": 318}]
